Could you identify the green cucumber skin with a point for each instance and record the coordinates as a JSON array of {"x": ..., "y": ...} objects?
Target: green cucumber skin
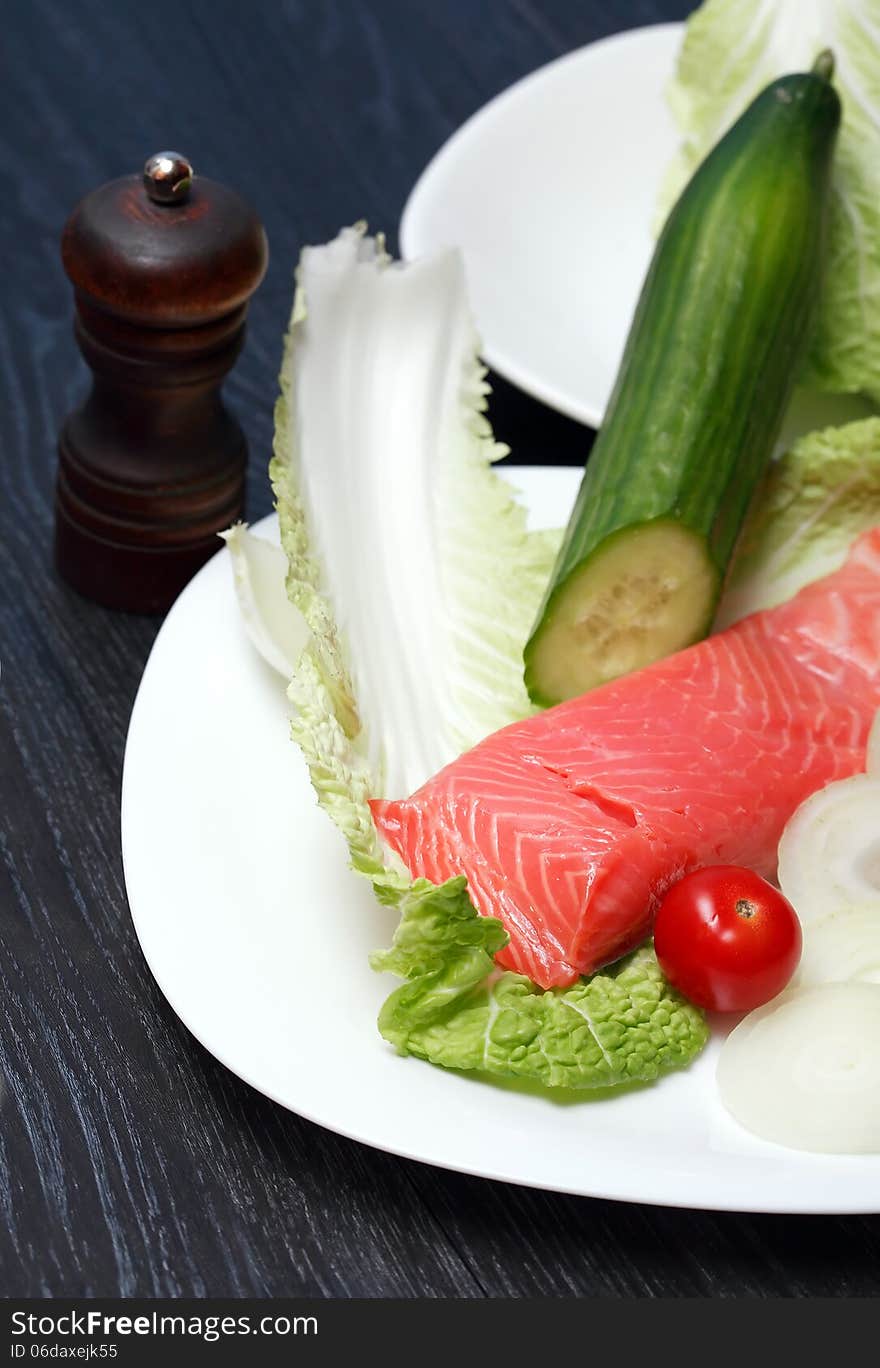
[{"x": 716, "y": 339}]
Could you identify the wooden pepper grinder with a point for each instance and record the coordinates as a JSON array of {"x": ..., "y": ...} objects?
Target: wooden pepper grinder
[{"x": 152, "y": 466}]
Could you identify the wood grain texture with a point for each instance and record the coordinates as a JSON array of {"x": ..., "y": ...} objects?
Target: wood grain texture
[{"x": 130, "y": 1161}]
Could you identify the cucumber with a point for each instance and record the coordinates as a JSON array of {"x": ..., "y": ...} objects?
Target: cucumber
[{"x": 713, "y": 351}]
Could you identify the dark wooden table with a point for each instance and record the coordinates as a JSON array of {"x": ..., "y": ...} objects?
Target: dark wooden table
[{"x": 131, "y": 1163}]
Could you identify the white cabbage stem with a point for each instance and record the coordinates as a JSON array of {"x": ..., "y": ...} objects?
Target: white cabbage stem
[
  {"x": 276, "y": 628},
  {"x": 408, "y": 556}
]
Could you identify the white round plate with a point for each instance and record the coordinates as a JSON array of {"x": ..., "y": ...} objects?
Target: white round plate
[
  {"x": 550, "y": 192},
  {"x": 258, "y": 934}
]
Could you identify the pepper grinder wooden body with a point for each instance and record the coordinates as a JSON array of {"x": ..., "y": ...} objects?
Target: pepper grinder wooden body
[{"x": 152, "y": 466}]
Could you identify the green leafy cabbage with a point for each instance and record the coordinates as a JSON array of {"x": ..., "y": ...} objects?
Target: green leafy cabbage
[
  {"x": 814, "y": 502},
  {"x": 622, "y": 1025},
  {"x": 731, "y": 50},
  {"x": 410, "y": 561}
]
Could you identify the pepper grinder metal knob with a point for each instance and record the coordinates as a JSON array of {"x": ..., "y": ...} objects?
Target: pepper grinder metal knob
[
  {"x": 167, "y": 178},
  {"x": 152, "y": 465}
]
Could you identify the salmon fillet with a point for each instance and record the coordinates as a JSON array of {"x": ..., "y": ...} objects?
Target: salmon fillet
[{"x": 570, "y": 825}]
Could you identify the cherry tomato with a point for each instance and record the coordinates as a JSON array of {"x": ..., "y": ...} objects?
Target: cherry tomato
[{"x": 727, "y": 939}]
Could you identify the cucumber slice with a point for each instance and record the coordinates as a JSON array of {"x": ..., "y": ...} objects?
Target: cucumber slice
[{"x": 646, "y": 592}]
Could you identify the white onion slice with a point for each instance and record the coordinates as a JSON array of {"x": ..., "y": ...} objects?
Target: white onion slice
[
  {"x": 842, "y": 946},
  {"x": 276, "y": 628},
  {"x": 873, "y": 759},
  {"x": 804, "y": 1071},
  {"x": 829, "y": 855}
]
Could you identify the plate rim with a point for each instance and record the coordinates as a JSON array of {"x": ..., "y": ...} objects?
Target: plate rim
[{"x": 497, "y": 358}]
